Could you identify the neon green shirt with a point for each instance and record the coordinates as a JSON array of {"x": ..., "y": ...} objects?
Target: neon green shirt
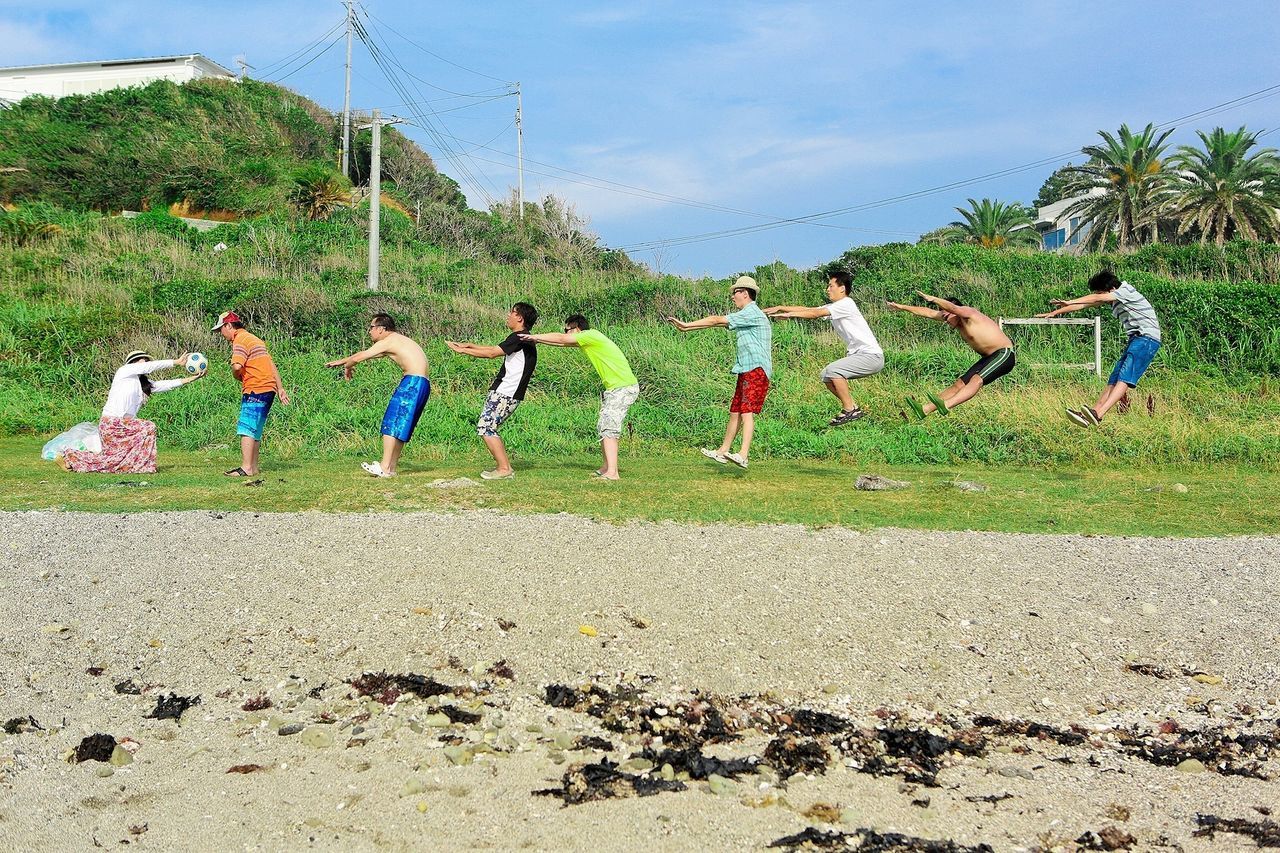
[{"x": 607, "y": 359}]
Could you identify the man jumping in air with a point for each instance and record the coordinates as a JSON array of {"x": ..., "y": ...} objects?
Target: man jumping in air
[
  {"x": 410, "y": 395},
  {"x": 753, "y": 338},
  {"x": 863, "y": 356},
  {"x": 982, "y": 334}
]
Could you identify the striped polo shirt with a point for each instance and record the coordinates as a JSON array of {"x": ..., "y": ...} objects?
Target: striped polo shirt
[{"x": 248, "y": 351}]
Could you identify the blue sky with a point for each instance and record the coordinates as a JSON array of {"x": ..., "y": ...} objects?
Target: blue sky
[{"x": 780, "y": 108}]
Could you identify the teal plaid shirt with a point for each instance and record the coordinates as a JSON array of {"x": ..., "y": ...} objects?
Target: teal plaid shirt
[{"x": 755, "y": 340}]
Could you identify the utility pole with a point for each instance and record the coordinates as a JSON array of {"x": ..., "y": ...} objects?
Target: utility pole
[
  {"x": 244, "y": 66},
  {"x": 520, "y": 149},
  {"x": 375, "y": 190},
  {"x": 346, "y": 102}
]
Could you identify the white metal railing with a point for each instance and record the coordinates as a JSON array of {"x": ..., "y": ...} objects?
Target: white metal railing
[{"x": 1096, "y": 322}]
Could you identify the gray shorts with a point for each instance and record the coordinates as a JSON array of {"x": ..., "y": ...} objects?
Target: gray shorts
[
  {"x": 613, "y": 409},
  {"x": 857, "y": 366}
]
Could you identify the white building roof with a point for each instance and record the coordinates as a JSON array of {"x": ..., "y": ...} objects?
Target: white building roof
[{"x": 116, "y": 63}]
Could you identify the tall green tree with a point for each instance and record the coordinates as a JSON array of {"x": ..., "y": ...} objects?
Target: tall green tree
[
  {"x": 990, "y": 224},
  {"x": 1222, "y": 191},
  {"x": 1053, "y": 189},
  {"x": 1120, "y": 187}
]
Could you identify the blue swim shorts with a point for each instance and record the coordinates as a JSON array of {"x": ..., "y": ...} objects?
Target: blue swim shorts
[
  {"x": 1135, "y": 360},
  {"x": 406, "y": 407},
  {"x": 254, "y": 409}
]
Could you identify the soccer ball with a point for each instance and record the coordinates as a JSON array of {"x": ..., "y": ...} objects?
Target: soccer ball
[{"x": 196, "y": 363}]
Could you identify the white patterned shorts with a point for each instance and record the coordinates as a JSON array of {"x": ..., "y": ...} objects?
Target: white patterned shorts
[
  {"x": 497, "y": 408},
  {"x": 613, "y": 410}
]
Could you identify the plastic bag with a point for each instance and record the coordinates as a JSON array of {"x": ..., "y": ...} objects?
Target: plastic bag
[{"x": 82, "y": 436}]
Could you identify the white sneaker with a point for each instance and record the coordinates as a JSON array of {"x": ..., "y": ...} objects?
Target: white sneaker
[
  {"x": 737, "y": 459},
  {"x": 494, "y": 475},
  {"x": 375, "y": 469},
  {"x": 714, "y": 455}
]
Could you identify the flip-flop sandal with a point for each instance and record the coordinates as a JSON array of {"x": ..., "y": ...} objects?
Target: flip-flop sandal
[
  {"x": 846, "y": 417},
  {"x": 914, "y": 407},
  {"x": 236, "y": 472},
  {"x": 938, "y": 402}
]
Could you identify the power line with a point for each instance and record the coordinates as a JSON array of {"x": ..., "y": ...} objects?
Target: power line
[
  {"x": 1274, "y": 90},
  {"x": 464, "y": 173},
  {"x": 376, "y": 51},
  {"x": 857, "y": 208},
  {"x": 653, "y": 195},
  {"x": 327, "y": 48},
  {"x": 428, "y": 52},
  {"x": 1243, "y": 100},
  {"x": 271, "y": 68}
]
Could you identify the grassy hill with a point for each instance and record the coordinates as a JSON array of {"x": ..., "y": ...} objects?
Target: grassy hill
[
  {"x": 75, "y": 301},
  {"x": 79, "y": 288},
  {"x": 210, "y": 144}
]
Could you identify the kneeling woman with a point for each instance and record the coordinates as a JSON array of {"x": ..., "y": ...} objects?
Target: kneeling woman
[{"x": 128, "y": 443}]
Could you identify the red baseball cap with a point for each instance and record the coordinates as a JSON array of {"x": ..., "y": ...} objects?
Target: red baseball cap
[{"x": 227, "y": 317}]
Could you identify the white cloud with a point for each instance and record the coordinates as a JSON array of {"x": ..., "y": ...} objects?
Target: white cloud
[{"x": 27, "y": 44}]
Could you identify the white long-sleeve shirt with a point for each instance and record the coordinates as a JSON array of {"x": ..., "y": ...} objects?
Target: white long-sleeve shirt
[{"x": 126, "y": 397}]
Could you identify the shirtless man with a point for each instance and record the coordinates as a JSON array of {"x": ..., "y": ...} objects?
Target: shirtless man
[
  {"x": 982, "y": 334},
  {"x": 410, "y": 396}
]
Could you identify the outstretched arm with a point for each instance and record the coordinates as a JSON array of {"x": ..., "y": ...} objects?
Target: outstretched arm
[
  {"x": 949, "y": 307},
  {"x": 348, "y": 364},
  {"x": 709, "y": 322},
  {"x": 138, "y": 368},
  {"x": 927, "y": 313},
  {"x": 162, "y": 385},
  {"x": 555, "y": 339},
  {"x": 1066, "y": 306},
  {"x": 476, "y": 350},
  {"x": 798, "y": 312}
]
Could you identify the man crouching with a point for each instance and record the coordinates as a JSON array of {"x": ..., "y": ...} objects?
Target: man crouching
[{"x": 410, "y": 396}]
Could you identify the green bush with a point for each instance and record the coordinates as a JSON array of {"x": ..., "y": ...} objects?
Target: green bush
[
  {"x": 161, "y": 222},
  {"x": 66, "y": 319}
]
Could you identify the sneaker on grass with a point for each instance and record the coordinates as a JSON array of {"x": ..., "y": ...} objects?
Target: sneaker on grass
[
  {"x": 1079, "y": 418},
  {"x": 374, "y": 469},
  {"x": 714, "y": 455},
  {"x": 494, "y": 475},
  {"x": 737, "y": 459}
]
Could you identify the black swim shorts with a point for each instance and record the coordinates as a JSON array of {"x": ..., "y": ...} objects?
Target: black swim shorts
[{"x": 991, "y": 367}]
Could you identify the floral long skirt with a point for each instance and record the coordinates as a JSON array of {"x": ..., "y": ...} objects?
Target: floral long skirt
[{"x": 128, "y": 447}]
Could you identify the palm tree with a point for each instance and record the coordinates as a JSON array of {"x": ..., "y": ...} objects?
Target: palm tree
[
  {"x": 318, "y": 192},
  {"x": 1223, "y": 191},
  {"x": 1119, "y": 187},
  {"x": 990, "y": 224}
]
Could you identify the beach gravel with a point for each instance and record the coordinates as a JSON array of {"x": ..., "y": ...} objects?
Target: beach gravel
[{"x": 1099, "y": 633}]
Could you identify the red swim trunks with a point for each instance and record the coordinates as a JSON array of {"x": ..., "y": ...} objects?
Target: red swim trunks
[{"x": 753, "y": 387}]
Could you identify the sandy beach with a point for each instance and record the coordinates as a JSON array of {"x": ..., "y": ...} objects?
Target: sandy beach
[{"x": 1131, "y": 653}]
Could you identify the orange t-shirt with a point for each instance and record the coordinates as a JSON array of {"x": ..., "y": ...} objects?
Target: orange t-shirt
[{"x": 250, "y": 352}]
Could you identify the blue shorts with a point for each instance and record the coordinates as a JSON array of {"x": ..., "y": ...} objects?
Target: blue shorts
[
  {"x": 406, "y": 407},
  {"x": 254, "y": 409},
  {"x": 1135, "y": 360}
]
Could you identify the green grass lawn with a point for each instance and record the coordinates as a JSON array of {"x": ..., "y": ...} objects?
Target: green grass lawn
[{"x": 1219, "y": 500}]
